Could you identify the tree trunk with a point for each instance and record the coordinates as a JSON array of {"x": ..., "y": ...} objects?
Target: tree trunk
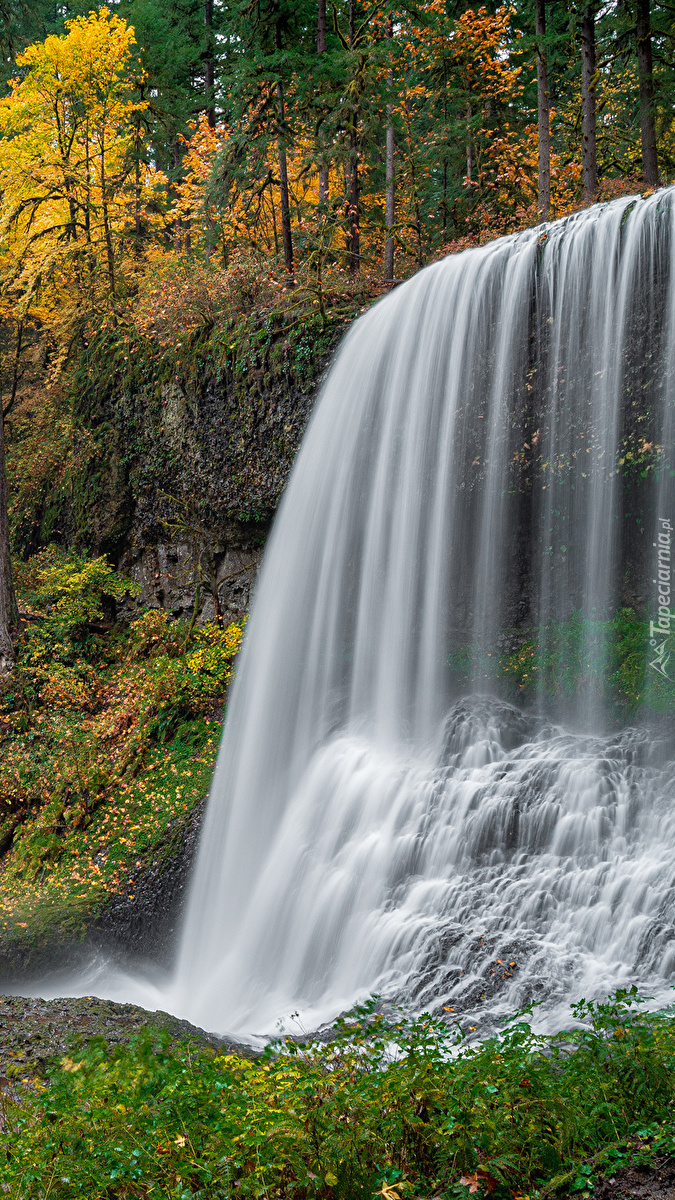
[
  {"x": 87, "y": 178},
  {"x": 469, "y": 145},
  {"x": 650, "y": 168},
  {"x": 354, "y": 231},
  {"x": 137, "y": 184},
  {"x": 8, "y": 611},
  {"x": 283, "y": 185},
  {"x": 544, "y": 120},
  {"x": 210, "y": 578},
  {"x": 209, "y": 65},
  {"x": 390, "y": 178},
  {"x": 321, "y": 48},
  {"x": 589, "y": 155},
  {"x": 110, "y": 255},
  {"x": 177, "y": 228},
  {"x": 137, "y": 174},
  {"x": 354, "y": 237}
]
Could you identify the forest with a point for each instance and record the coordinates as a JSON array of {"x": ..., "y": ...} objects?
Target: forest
[{"x": 197, "y": 199}]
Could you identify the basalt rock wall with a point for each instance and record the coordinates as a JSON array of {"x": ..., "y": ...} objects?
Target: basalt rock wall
[{"x": 178, "y": 467}]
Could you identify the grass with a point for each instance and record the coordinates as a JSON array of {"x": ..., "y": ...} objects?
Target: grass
[{"x": 390, "y": 1107}]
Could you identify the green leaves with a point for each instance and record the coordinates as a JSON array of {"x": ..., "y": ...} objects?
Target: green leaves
[
  {"x": 394, "y": 1108},
  {"x": 72, "y": 593}
]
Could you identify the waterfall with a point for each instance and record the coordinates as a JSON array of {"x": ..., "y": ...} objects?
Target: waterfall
[
  {"x": 439, "y": 781},
  {"x": 492, "y": 454}
]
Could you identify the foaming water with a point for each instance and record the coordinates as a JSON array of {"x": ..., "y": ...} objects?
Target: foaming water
[
  {"x": 516, "y": 864},
  {"x": 380, "y": 819}
]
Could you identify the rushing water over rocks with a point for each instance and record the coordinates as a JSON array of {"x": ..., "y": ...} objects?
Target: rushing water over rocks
[
  {"x": 492, "y": 453},
  {"x": 514, "y": 863}
]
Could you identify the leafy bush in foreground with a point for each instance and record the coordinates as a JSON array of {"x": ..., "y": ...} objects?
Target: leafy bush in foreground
[{"x": 399, "y": 1109}]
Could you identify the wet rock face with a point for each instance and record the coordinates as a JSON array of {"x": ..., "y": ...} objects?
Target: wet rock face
[
  {"x": 173, "y": 575},
  {"x": 146, "y": 927},
  {"x": 188, "y": 474}
]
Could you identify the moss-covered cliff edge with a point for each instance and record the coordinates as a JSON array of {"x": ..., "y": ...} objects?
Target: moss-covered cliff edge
[{"x": 167, "y": 441}]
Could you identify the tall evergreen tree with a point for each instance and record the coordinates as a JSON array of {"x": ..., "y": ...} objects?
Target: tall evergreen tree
[
  {"x": 589, "y": 153},
  {"x": 543, "y": 114},
  {"x": 643, "y": 39},
  {"x": 321, "y": 46}
]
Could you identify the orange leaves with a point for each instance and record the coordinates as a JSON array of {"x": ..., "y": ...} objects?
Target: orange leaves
[
  {"x": 481, "y": 47},
  {"x": 480, "y": 1182},
  {"x": 478, "y": 48}
]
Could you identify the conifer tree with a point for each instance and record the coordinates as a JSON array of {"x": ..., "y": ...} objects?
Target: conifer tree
[
  {"x": 588, "y": 103},
  {"x": 543, "y": 114},
  {"x": 646, "y": 77}
]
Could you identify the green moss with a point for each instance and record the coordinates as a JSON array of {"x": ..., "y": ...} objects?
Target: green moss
[
  {"x": 109, "y": 739},
  {"x": 609, "y": 658},
  {"x": 202, "y": 391}
]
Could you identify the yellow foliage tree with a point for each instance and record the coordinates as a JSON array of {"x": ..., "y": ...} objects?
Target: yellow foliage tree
[{"x": 73, "y": 185}]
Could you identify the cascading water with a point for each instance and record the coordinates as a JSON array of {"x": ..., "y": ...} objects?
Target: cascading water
[
  {"x": 382, "y": 818},
  {"x": 492, "y": 455}
]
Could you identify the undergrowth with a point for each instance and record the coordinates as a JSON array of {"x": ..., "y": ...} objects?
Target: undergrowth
[
  {"x": 389, "y": 1107},
  {"x": 607, "y": 658},
  {"x": 108, "y": 737}
]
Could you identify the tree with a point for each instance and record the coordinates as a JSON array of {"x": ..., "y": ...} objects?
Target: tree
[
  {"x": 209, "y": 65},
  {"x": 589, "y": 154},
  {"x": 8, "y": 610},
  {"x": 354, "y": 88},
  {"x": 543, "y": 114},
  {"x": 177, "y": 55},
  {"x": 643, "y": 39},
  {"x": 424, "y": 111},
  {"x": 321, "y": 49},
  {"x": 13, "y": 336},
  {"x": 463, "y": 91},
  {"x": 286, "y": 235},
  {"x": 69, "y": 146}
]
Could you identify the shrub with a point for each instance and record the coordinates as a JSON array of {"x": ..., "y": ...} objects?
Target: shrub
[
  {"x": 89, "y": 701},
  {"x": 391, "y": 1107},
  {"x": 71, "y": 593}
]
